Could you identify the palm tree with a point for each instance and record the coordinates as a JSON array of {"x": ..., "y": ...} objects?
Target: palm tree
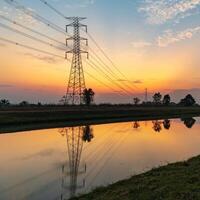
[{"x": 88, "y": 96}]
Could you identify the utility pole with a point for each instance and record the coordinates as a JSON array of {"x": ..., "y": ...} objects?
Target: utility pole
[
  {"x": 76, "y": 83},
  {"x": 146, "y": 95}
]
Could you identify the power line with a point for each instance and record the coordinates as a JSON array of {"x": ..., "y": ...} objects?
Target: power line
[
  {"x": 51, "y": 7},
  {"x": 106, "y": 67},
  {"x": 98, "y": 46},
  {"x": 111, "y": 151},
  {"x": 34, "y": 15},
  {"x": 29, "y": 47},
  {"x": 101, "y": 82},
  {"x": 105, "y": 55},
  {"x": 30, "y": 36},
  {"x": 30, "y": 29},
  {"x": 97, "y": 68},
  {"x": 4, "y": 26},
  {"x": 47, "y": 22}
]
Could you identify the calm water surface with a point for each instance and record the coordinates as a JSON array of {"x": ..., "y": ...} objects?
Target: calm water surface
[{"x": 59, "y": 163}]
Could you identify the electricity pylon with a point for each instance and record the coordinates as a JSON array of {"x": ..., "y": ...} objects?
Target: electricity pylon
[
  {"x": 76, "y": 83},
  {"x": 146, "y": 95},
  {"x": 74, "y": 137}
]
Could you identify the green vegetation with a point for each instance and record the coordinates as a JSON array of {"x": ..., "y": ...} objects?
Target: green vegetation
[
  {"x": 88, "y": 96},
  {"x": 179, "y": 181},
  {"x": 29, "y": 118}
]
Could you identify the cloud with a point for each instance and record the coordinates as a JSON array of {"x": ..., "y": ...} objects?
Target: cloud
[
  {"x": 122, "y": 80},
  {"x": 48, "y": 59},
  {"x": 170, "y": 37},
  {"x": 2, "y": 45},
  {"x": 43, "y": 153},
  {"x": 138, "y": 82},
  {"x": 5, "y": 85},
  {"x": 141, "y": 44},
  {"x": 135, "y": 81},
  {"x": 18, "y": 14},
  {"x": 161, "y": 11}
]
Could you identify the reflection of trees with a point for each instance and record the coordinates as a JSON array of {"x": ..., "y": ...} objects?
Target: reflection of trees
[
  {"x": 75, "y": 137},
  {"x": 136, "y": 125},
  {"x": 189, "y": 122},
  {"x": 166, "y": 124},
  {"x": 87, "y": 134},
  {"x": 157, "y": 126}
]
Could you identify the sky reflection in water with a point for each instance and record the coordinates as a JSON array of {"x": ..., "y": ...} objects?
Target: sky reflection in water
[{"x": 59, "y": 163}]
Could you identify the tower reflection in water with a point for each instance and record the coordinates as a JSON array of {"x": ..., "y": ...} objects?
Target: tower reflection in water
[{"x": 73, "y": 173}]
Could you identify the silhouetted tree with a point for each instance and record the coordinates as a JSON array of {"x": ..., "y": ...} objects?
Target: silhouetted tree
[
  {"x": 188, "y": 101},
  {"x": 4, "y": 102},
  {"x": 157, "y": 98},
  {"x": 166, "y": 99},
  {"x": 88, "y": 96},
  {"x": 136, "y": 125},
  {"x": 157, "y": 126},
  {"x": 166, "y": 124},
  {"x": 24, "y": 103},
  {"x": 136, "y": 100},
  {"x": 189, "y": 122},
  {"x": 87, "y": 134}
]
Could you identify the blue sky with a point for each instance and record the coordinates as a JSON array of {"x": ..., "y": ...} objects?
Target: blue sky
[
  {"x": 143, "y": 20},
  {"x": 154, "y": 42}
]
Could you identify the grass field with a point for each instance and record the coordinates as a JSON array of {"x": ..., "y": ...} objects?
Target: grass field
[
  {"x": 16, "y": 119},
  {"x": 179, "y": 181}
]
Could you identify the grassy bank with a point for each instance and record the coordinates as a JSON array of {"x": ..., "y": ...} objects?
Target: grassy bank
[
  {"x": 48, "y": 117},
  {"x": 179, "y": 181}
]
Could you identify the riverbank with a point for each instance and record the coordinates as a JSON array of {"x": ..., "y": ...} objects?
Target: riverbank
[
  {"x": 19, "y": 119},
  {"x": 179, "y": 181}
]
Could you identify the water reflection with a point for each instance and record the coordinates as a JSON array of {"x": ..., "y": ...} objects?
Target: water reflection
[
  {"x": 158, "y": 125},
  {"x": 136, "y": 125},
  {"x": 167, "y": 124},
  {"x": 189, "y": 122},
  {"x": 47, "y": 164},
  {"x": 87, "y": 134},
  {"x": 75, "y": 136}
]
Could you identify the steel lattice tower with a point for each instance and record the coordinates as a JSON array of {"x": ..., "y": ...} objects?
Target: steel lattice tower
[
  {"x": 76, "y": 83},
  {"x": 74, "y": 137}
]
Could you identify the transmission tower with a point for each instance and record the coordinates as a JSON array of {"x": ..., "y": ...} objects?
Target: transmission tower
[
  {"x": 146, "y": 95},
  {"x": 76, "y": 83},
  {"x": 74, "y": 137}
]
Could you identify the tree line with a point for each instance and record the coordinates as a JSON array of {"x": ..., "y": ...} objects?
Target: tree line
[
  {"x": 165, "y": 100},
  {"x": 158, "y": 125},
  {"x": 88, "y": 99}
]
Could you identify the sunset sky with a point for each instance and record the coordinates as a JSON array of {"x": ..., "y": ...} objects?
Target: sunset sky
[{"x": 155, "y": 43}]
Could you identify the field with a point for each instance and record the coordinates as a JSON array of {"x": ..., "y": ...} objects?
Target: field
[
  {"x": 28, "y": 118},
  {"x": 179, "y": 181}
]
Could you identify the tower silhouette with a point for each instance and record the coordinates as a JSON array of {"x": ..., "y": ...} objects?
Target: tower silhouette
[
  {"x": 146, "y": 95},
  {"x": 76, "y": 82},
  {"x": 74, "y": 136}
]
